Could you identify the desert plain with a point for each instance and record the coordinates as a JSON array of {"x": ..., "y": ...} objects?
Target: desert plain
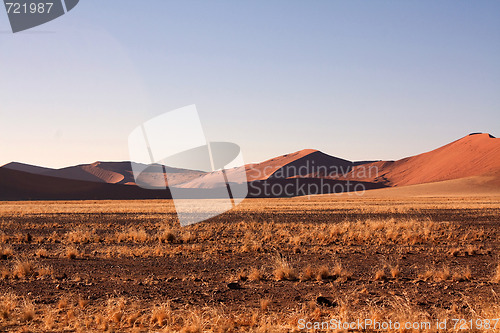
[{"x": 269, "y": 265}]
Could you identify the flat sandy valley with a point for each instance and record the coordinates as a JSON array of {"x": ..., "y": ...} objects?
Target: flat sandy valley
[{"x": 269, "y": 265}]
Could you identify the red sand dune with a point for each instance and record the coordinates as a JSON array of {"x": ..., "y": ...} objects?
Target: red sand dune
[
  {"x": 304, "y": 163},
  {"x": 263, "y": 170},
  {"x": 473, "y": 155}
]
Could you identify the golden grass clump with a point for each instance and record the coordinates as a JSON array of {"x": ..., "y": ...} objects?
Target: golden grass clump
[
  {"x": 115, "y": 309},
  {"x": 395, "y": 272},
  {"x": 161, "y": 315},
  {"x": 6, "y": 252},
  {"x": 82, "y": 236},
  {"x": 380, "y": 275},
  {"x": 464, "y": 274},
  {"x": 8, "y": 302},
  {"x": 71, "y": 252},
  {"x": 444, "y": 274},
  {"x": 308, "y": 274},
  {"x": 284, "y": 271},
  {"x": 136, "y": 235},
  {"x": 167, "y": 236},
  {"x": 43, "y": 270},
  {"x": 255, "y": 275},
  {"x": 42, "y": 253},
  {"x": 496, "y": 275},
  {"x": 323, "y": 273},
  {"x": 264, "y": 304},
  {"x": 63, "y": 303},
  {"x": 28, "y": 311},
  {"x": 23, "y": 269},
  {"x": 339, "y": 272}
]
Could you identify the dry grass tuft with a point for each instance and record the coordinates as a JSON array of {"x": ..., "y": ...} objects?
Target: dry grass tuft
[
  {"x": 241, "y": 275},
  {"x": 455, "y": 252},
  {"x": 255, "y": 275},
  {"x": 496, "y": 276},
  {"x": 472, "y": 250},
  {"x": 264, "y": 304},
  {"x": 323, "y": 273},
  {"x": 437, "y": 274},
  {"x": 63, "y": 303},
  {"x": 395, "y": 272},
  {"x": 82, "y": 236},
  {"x": 167, "y": 236},
  {"x": 5, "y": 273},
  {"x": 71, "y": 252},
  {"x": 8, "y": 302},
  {"x": 82, "y": 303},
  {"x": 43, "y": 270},
  {"x": 380, "y": 275},
  {"x": 284, "y": 271},
  {"x": 308, "y": 274},
  {"x": 442, "y": 274},
  {"x": 136, "y": 235},
  {"x": 161, "y": 315},
  {"x": 341, "y": 273},
  {"x": 6, "y": 252},
  {"x": 462, "y": 275},
  {"x": 28, "y": 311},
  {"x": 23, "y": 269},
  {"x": 42, "y": 253}
]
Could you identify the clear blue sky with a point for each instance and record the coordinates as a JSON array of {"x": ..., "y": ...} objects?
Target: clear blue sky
[{"x": 355, "y": 79}]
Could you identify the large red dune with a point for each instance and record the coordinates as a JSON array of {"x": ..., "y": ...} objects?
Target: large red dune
[{"x": 473, "y": 155}]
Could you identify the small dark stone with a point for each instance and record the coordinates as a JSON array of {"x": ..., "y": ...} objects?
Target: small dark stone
[
  {"x": 323, "y": 301},
  {"x": 60, "y": 276},
  {"x": 234, "y": 285}
]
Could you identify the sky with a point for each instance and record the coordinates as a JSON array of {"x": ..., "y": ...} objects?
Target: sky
[{"x": 361, "y": 80}]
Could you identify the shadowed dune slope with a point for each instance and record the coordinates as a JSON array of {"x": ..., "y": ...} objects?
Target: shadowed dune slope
[
  {"x": 111, "y": 173},
  {"x": 38, "y": 170},
  {"x": 19, "y": 185}
]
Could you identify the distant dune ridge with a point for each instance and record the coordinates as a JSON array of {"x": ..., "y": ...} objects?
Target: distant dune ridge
[{"x": 468, "y": 165}]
